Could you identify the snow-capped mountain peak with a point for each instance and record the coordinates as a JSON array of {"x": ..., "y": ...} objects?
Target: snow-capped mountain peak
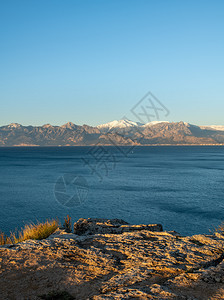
[
  {"x": 154, "y": 123},
  {"x": 125, "y": 123},
  {"x": 14, "y": 125}
]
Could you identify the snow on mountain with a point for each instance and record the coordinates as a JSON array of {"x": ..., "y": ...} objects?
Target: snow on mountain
[
  {"x": 214, "y": 127},
  {"x": 118, "y": 124},
  {"x": 154, "y": 123},
  {"x": 14, "y": 125}
]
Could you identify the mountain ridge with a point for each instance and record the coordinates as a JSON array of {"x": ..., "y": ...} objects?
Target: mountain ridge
[{"x": 119, "y": 132}]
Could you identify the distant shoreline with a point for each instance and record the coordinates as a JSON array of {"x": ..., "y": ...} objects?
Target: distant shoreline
[{"x": 70, "y": 146}]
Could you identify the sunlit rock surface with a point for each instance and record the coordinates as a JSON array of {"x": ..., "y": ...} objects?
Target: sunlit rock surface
[{"x": 110, "y": 259}]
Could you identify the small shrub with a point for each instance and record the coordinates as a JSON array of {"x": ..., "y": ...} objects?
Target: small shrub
[{"x": 68, "y": 224}]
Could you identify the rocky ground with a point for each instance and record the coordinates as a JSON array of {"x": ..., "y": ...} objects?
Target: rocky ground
[{"x": 109, "y": 259}]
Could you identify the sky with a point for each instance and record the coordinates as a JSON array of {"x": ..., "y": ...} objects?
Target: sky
[{"x": 91, "y": 61}]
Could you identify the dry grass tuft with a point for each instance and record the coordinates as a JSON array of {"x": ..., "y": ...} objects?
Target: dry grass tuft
[
  {"x": 220, "y": 228},
  {"x": 4, "y": 239},
  {"x": 32, "y": 231}
]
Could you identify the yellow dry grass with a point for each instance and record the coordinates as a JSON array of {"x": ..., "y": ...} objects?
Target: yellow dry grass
[{"x": 32, "y": 231}]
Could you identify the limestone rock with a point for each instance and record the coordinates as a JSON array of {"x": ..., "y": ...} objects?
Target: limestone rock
[
  {"x": 110, "y": 259},
  {"x": 106, "y": 226}
]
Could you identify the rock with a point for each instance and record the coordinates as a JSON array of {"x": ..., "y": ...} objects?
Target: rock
[
  {"x": 105, "y": 226},
  {"x": 217, "y": 279},
  {"x": 111, "y": 259}
]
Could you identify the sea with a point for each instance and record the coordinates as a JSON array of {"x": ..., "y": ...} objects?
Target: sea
[{"x": 180, "y": 187}]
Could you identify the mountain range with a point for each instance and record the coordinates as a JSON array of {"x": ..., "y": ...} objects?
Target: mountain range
[{"x": 121, "y": 132}]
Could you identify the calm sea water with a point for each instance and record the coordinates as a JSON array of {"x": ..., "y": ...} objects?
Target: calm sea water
[{"x": 180, "y": 187}]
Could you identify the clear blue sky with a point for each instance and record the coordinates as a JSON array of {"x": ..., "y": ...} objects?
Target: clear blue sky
[{"x": 91, "y": 61}]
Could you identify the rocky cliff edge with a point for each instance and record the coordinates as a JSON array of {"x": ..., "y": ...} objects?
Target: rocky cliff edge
[{"x": 110, "y": 259}]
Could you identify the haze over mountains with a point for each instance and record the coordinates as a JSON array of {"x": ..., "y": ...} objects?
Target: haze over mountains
[{"x": 122, "y": 132}]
